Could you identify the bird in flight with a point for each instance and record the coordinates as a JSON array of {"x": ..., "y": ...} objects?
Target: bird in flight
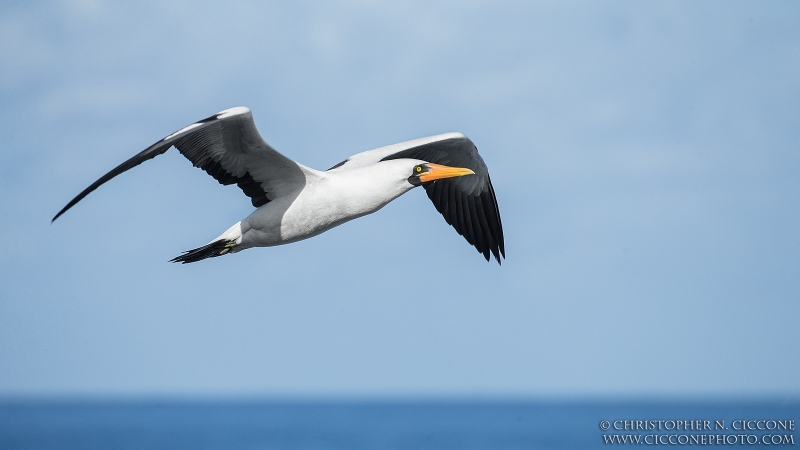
[{"x": 295, "y": 202}]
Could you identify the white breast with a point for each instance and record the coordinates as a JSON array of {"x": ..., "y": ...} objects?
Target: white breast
[{"x": 327, "y": 201}]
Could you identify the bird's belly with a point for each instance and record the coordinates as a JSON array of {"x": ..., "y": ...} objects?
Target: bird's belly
[
  {"x": 310, "y": 218},
  {"x": 282, "y": 222}
]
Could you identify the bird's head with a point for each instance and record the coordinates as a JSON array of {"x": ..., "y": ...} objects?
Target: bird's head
[{"x": 427, "y": 172}]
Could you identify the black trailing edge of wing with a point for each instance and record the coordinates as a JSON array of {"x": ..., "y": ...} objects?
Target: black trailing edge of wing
[
  {"x": 205, "y": 144},
  {"x": 467, "y": 203},
  {"x": 202, "y": 145}
]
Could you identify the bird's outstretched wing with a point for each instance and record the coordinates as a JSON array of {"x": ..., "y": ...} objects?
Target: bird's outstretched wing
[
  {"x": 228, "y": 147},
  {"x": 467, "y": 203}
]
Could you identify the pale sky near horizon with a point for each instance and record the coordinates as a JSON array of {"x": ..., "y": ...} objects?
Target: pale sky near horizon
[{"x": 645, "y": 157}]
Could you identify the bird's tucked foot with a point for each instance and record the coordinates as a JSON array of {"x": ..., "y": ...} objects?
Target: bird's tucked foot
[{"x": 212, "y": 250}]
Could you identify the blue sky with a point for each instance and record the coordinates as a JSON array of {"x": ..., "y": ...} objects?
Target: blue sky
[{"x": 645, "y": 157}]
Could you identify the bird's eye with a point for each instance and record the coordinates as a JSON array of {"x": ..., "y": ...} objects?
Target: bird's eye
[{"x": 418, "y": 169}]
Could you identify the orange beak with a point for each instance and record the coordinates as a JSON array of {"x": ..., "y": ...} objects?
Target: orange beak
[{"x": 437, "y": 172}]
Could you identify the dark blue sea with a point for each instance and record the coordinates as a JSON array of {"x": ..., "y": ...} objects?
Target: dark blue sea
[{"x": 390, "y": 424}]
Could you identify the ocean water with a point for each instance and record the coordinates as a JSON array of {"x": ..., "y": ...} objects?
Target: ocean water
[{"x": 382, "y": 425}]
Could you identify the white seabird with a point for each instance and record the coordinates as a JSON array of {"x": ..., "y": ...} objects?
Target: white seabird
[{"x": 295, "y": 202}]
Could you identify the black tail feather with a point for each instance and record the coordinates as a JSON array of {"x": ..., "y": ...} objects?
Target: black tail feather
[{"x": 212, "y": 250}]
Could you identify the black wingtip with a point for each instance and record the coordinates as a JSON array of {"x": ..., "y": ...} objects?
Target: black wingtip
[
  {"x": 495, "y": 257},
  {"x": 57, "y": 216},
  {"x": 66, "y": 208},
  {"x": 212, "y": 250}
]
